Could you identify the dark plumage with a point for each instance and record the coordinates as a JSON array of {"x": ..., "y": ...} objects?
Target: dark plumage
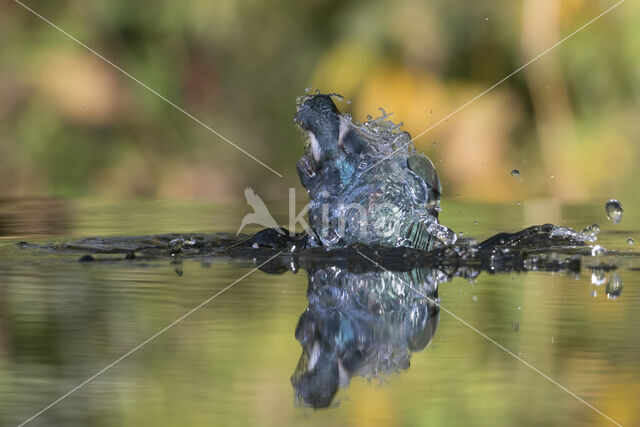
[{"x": 366, "y": 183}]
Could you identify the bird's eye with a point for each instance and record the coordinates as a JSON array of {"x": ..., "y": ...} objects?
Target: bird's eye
[{"x": 310, "y": 170}]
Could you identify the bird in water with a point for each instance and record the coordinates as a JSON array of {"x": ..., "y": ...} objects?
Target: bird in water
[{"x": 366, "y": 182}]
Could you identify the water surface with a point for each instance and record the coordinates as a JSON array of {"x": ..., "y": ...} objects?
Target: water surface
[{"x": 231, "y": 361}]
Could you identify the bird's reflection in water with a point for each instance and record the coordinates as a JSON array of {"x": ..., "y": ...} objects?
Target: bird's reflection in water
[{"x": 361, "y": 324}]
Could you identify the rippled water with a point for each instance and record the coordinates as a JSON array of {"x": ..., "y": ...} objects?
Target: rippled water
[{"x": 231, "y": 362}]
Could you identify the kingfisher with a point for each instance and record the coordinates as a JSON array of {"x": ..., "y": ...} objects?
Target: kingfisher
[{"x": 366, "y": 182}]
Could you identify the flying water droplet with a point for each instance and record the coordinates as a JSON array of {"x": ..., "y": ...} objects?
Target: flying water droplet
[
  {"x": 515, "y": 173},
  {"x": 614, "y": 210}
]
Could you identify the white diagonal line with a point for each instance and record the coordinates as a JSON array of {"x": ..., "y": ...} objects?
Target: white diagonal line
[
  {"x": 139, "y": 346},
  {"x": 475, "y": 98},
  {"x": 527, "y": 364},
  {"x": 200, "y": 122}
]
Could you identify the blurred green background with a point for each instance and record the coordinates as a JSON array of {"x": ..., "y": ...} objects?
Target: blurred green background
[{"x": 72, "y": 125}]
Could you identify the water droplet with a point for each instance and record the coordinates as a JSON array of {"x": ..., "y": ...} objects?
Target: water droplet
[
  {"x": 614, "y": 210},
  {"x": 630, "y": 241},
  {"x": 598, "y": 250},
  {"x": 614, "y": 288},
  {"x": 515, "y": 173}
]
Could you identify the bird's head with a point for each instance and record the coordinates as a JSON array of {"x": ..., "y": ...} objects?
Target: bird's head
[{"x": 319, "y": 117}]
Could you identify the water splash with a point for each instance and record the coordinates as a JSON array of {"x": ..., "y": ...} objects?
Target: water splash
[
  {"x": 588, "y": 235},
  {"x": 366, "y": 181}
]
